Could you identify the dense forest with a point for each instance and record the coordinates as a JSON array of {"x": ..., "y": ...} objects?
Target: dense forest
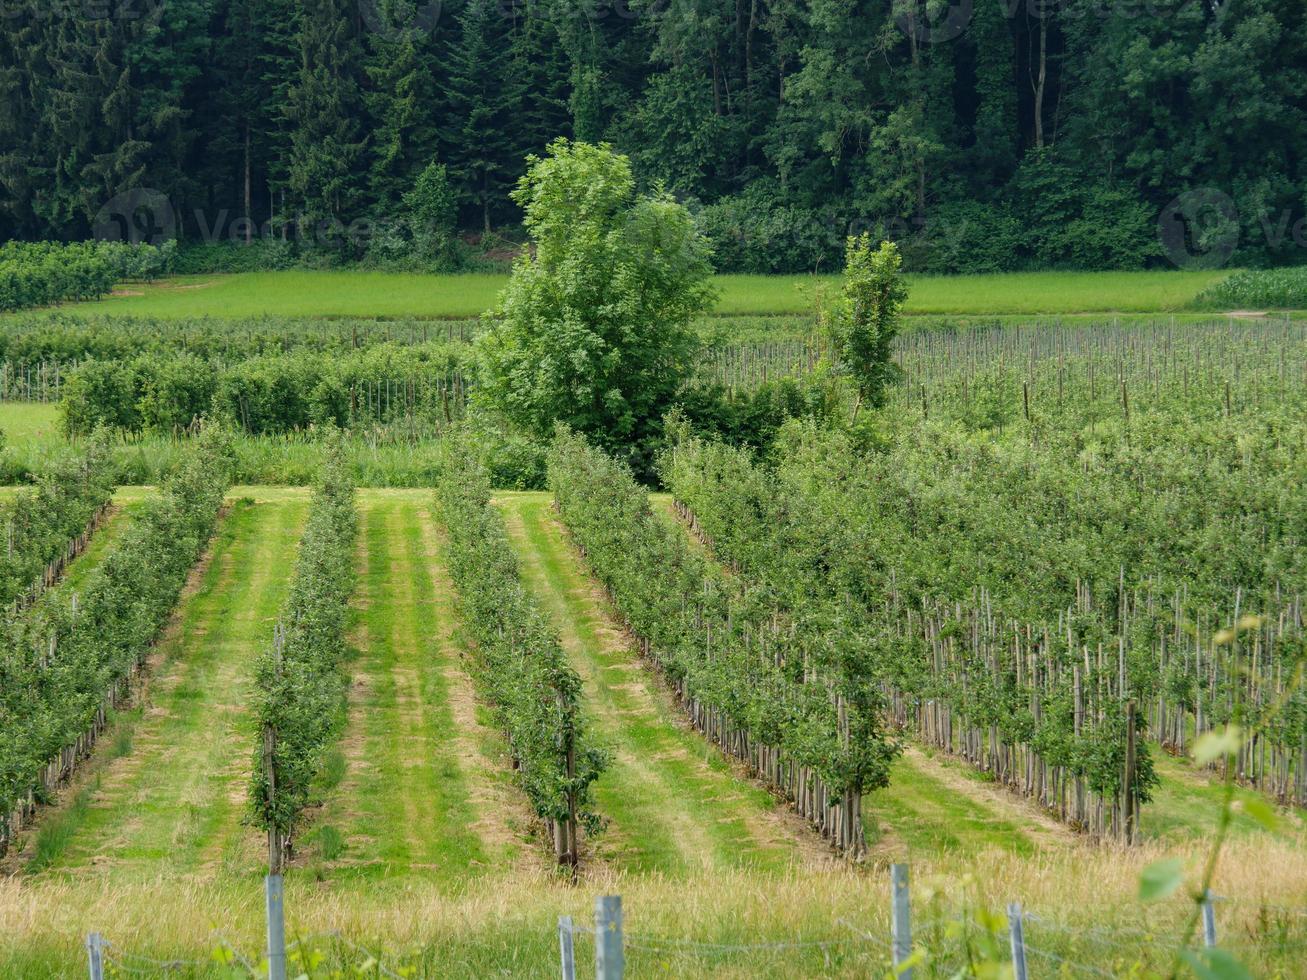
[{"x": 988, "y": 135}]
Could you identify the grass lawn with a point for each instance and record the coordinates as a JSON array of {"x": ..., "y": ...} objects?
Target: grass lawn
[
  {"x": 29, "y": 424},
  {"x": 380, "y": 294}
]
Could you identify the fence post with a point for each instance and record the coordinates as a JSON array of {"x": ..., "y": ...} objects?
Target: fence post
[
  {"x": 1209, "y": 921},
  {"x": 276, "y": 928},
  {"x": 1017, "y": 930},
  {"x": 95, "y": 955},
  {"x": 610, "y": 962},
  {"x": 567, "y": 947},
  {"x": 902, "y": 920}
]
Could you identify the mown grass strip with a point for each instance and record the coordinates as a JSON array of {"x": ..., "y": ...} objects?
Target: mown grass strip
[
  {"x": 674, "y": 803},
  {"x": 404, "y": 802},
  {"x": 175, "y": 803}
]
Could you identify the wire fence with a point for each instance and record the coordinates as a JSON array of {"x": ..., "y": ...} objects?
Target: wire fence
[{"x": 1032, "y": 944}]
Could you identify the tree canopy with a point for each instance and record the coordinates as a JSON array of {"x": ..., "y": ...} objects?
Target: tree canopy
[
  {"x": 978, "y": 136},
  {"x": 593, "y": 329}
]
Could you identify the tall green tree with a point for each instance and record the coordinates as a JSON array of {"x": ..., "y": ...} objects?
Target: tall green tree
[
  {"x": 865, "y": 320},
  {"x": 593, "y": 329},
  {"x": 325, "y": 109},
  {"x": 406, "y": 105},
  {"x": 484, "y": 87}
]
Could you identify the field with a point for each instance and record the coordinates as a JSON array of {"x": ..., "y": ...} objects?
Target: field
[
  {"x": 387, "y": 295},
  {"x": 422, "y": 846},
  {"x": 420, "y": 850}
]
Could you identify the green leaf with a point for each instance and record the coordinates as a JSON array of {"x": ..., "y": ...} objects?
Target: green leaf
[
  {"x": 1160, "y": 879},
  {"x": 1261, "y": 811},
  {"x": 1216, "y": 964},
  {"x": 1216, "y": 745}
]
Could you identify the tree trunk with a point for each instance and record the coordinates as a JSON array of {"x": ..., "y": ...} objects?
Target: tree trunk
[{"x": 249, "y": 197}]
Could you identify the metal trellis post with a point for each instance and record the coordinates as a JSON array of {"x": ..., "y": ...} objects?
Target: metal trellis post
[
  {"x": 902, "y": 920},
  {"x": 610, "y": 962},
  {"x": 95, "y": 955},
  {"x": 1017, "y": 931},
  {"x": 567, "y": 947},
  {"x": 276, "y": 928}
]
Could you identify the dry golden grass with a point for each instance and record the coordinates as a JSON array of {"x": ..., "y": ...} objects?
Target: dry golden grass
[{"x": 496, "y": 919}]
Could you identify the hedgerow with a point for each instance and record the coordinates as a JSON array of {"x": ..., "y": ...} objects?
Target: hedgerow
[
  {"x": 1257, "y": 289},
  {"x": 782, "y": 686},
  {"x": 269, "y": 393},
  {"x": 66, "y": 662},
  {"x": 40, "y": 526},
  {"x": 42, "y": 273},
  {"x": 300, "y": 680},
  {"x": 520, "y": 664}
]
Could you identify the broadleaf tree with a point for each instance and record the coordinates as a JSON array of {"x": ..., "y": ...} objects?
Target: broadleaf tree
[
  {"x": 865, "y": 319},
  {"x": 593, "y": 329}
]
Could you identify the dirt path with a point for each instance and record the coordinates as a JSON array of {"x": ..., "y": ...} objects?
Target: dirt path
[
  {"x": 424, "y": 788},
  {"x": 173, "y": 799},
  {"x": 674, "y": 803}
]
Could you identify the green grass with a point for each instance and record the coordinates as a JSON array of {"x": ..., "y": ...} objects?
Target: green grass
[
  {"x": 674, "y": 803},
  {"x": 30, "y": 425},
  {"x": 176, "y": 802},
  {"x": 400, "y": 295},
  {"x": 404, "y": 801}
]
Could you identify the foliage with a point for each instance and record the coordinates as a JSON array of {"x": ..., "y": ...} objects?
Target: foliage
[
  {"x": 1268, "y": 289},
  {"x": 269, "y": 393},
  {"x": 39, "y": 524},
  {"x": 521, "y": 666},
  {"x": 900, "y": 554},
  {"x": 781, "y": 676},
  {"x": 594, "y": 327},
  {"x": 301, "y": 680},
  {"x": 432, "y": 212},
  {"x": 795, "y": 124},
  {"x": 759, "y": 231},
  {"x": 68, "y": 658},
  {"x": 865, "y": 320},
  {"x": 44, "y": 273}
]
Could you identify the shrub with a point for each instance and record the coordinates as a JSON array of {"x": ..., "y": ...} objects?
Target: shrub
[
  {"x": 1273, "y": 289},
  {"x": 968, "y": 237},
  {"x": 758, "y": 232},
  {"x": 300, "y": 682}
]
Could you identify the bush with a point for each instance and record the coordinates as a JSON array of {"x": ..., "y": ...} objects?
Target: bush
[
  {"x": 261, "y": 255},
  {"x": 758, "y": 232},
  {"x": 1071, "y": 221},
  {"x": 1270, "y": 289},
  {"x": 968, "y": 238},
  {"x": 300, "y": 680}
]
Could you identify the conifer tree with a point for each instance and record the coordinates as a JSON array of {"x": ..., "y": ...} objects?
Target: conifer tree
[
  {"x": 484, "y": 89},
  {"x": 324, "y": 109},
  {"x": 406, "y": 107}
]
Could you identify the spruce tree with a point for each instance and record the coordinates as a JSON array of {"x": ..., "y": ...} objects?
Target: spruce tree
[
  {"x": 484, "y": 89},
  {"x": 406, "y": 106},
  {"x": 324, "y": 109}
]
